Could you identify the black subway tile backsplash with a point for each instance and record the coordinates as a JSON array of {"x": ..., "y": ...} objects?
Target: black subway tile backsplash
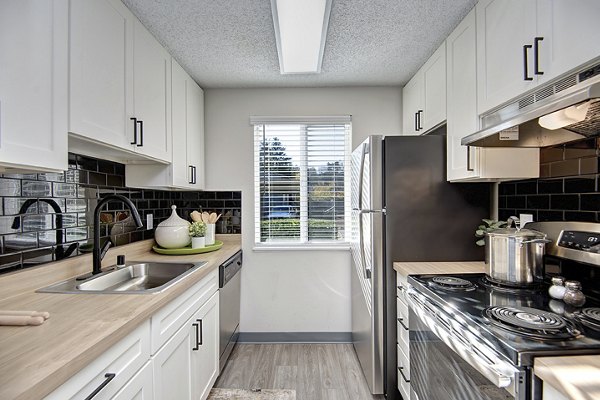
[
  {"x": 44, "y": 233},
  {"x": 568, "y": 187}
]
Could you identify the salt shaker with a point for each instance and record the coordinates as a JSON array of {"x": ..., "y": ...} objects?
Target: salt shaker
[
  {"x": 557, "y": 290},
  {"x": 574, "y": 296}
]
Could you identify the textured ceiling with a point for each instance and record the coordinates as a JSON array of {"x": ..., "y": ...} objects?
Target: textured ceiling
[{"x": 231, "y": 43}]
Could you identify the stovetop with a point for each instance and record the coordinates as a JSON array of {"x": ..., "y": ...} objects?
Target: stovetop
[{"x": 515, "y": 322}]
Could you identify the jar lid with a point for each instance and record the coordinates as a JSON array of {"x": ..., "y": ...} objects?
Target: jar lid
[
  {"x": 558, "y": 280},
  {"x": 174, "y": 220},
  {"x": 573, "y": 285},
  {"x": 514, "y": 232}
]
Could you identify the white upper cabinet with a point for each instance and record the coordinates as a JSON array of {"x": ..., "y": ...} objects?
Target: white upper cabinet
[
  {"x": 424, "y": 96},
  {"x": 412, "y": 103},
  {"x": 524, "y": 43},
  {"x": 569, "y": 35},
  {"x": 186, "y": 170},
  {"x": 101, "y": 100},
  {"x": 505, "y": 31},
  {"x": 34, "y": 84},
  {"x": 151, "y": 94},
  {"x": 473, "y": 163},
  {"x": 120, "y": 85}
]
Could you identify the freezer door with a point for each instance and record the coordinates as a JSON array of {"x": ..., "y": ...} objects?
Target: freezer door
[{"x": 367, "y": 260}]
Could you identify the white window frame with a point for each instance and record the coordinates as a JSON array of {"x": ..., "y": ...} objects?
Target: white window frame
[{"x": 304, "y": 243}]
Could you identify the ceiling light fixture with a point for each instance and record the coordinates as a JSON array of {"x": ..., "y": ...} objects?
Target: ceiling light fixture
[{"x": 300, "y": 33}]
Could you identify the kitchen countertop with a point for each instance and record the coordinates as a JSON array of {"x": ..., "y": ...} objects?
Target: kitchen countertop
[
  {"x": 35, "y": 360},
  {"x": 577, "y": 377},
  {"x": 451, "y": 267}
]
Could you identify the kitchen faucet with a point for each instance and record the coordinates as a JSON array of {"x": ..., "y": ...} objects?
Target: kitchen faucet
[
  {"x": 99, "y": 252},
  {"x": 60, "y": 252}
]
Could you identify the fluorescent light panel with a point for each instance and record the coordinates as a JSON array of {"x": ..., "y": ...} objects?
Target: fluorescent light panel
[{"x": 300, "y": 32}]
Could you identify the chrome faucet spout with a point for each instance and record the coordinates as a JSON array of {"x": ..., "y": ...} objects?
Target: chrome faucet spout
[{"x": 99, "y": 251}]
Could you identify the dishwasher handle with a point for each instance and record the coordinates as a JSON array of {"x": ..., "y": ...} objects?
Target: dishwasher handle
[{"x": 230, "y": 268}]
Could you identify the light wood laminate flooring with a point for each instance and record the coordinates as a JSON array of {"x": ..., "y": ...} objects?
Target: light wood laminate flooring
[{"x": 315, "y": 371}]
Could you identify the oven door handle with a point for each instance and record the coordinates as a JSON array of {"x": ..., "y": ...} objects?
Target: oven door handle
[{"x": 499, "y": 372}]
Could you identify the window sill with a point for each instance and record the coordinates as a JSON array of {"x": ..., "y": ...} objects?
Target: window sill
[{"x": 302, "y": 247}]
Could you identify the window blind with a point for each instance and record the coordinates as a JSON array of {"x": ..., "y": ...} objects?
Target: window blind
[{"x": 301, "y": 184}]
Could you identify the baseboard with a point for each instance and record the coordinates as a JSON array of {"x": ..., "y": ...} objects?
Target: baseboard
[{"x": 295, "y": 337}]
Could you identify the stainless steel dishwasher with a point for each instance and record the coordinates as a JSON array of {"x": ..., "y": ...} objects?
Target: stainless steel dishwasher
[{"x": 230, "y": 280}]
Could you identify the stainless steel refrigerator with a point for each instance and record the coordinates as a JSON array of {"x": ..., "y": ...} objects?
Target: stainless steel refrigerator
[{"x": 403, "y": 209}]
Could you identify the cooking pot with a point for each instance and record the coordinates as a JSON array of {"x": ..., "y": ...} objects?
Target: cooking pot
[{"x": 515, "y": 257}]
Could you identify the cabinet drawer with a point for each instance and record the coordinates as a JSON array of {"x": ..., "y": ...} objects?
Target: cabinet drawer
[
  {"x": 403, "y": 362},
  {"x": 111, "y": 371},
  {"x": 402, "y": 323},
  {"x": 403, "y": 381},
  {"x": 169, "y": 319},
  {"x": 140, "y": 387}
]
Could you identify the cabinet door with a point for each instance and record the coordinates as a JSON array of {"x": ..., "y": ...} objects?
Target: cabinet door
[
  {"x": 140, "y": 387},
  {"x": 101, "y": 71},
  {"x": 34, "y": 83},
  {"x": 434, "y": 89},
  {"x": 412, "y": 103},
  {"x": 570, "y": 33},
  {"x": 503, "y": 28},
  {"x": 205, "y": 360},
  {"x": 172, "y": 366},
  {"x": 152, "y": 95},
  {"x": 462, "y": 98},
  {"x": 182, "y": 173},
  {"x": 195, "y": 133}
]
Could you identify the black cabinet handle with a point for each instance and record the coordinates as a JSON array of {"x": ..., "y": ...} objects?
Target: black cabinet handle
[
  {"x": 419, "y": 113},
  {"x": 196, "y": 346},
  {"x": 536, "y": 55},
  {"x": 195, "y": 177},
  {"x": 403, "y": 376},
  {"x": 141, "y": 143},
  {"x": 201, "y": 332},
  {"x": 526, "y": 76},
  {"x": 107, "y": 378},
  {"x": 402, "y": 323},
  {"x": 191, "y": 181},
  {"x": 134, "y": 131},
  {"x": 469, "y": 167}
]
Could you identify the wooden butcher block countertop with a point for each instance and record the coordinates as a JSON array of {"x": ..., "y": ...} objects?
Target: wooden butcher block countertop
[
  {"x": 452, "y": 267},
  {"x": 35, "y": 360}
]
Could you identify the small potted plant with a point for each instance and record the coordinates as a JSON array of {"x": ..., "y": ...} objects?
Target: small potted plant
[
  {"x": 487, "y": 226},
  {"x": 197, "y": 231}
]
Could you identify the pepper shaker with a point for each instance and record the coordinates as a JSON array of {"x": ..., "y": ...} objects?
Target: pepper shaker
[{"x": 574, "y": 296}]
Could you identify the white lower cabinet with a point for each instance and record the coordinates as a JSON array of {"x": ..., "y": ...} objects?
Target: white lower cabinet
[
  {"x": 111, "y": 371},
  {"x": 403, "y": 354},
  {"x": 140, "y": 387},
  {"x": 187, "y": 366},
  {"x": 173, "y": 355}
]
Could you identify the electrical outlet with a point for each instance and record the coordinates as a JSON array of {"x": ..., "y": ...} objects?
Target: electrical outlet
[{"x": 149, "y": 221}]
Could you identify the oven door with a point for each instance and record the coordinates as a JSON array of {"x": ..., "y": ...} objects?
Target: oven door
[{"x": 445, "y": 366}]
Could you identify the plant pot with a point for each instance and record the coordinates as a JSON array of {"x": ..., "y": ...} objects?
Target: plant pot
[
  {"x": 210, "y": 234},
  {"x": 198, "y": 242}
]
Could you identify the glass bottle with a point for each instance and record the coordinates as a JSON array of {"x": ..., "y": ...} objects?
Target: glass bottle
[
  {"x": 557, "y": 290},
  {"x": 574, "y": 296}
]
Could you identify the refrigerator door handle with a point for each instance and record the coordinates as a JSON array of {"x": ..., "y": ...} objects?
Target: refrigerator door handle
[
  {"x": 361, "y": 243},
  {"x": 361, "y": 174}
]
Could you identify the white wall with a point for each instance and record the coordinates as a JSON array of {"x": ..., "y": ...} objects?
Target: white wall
[{"x": 288, "y": 291}]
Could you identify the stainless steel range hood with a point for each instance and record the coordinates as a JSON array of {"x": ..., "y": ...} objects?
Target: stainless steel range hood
[{"x": 517, "y": 124}]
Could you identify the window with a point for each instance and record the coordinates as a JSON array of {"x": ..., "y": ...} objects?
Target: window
[{"x": 301, "y": 188}]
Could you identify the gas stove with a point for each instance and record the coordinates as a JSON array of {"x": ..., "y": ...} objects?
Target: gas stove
[{"x": 518, "y": 323}]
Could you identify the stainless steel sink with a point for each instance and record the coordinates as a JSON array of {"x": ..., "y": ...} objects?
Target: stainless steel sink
[{"x": 133, "y": 278}]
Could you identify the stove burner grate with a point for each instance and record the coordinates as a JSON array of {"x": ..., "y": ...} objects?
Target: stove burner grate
[
  {"x": 452, "y": 283},
  {"x": 592, "y": 313},
  {"x": 531, "y": 322}
]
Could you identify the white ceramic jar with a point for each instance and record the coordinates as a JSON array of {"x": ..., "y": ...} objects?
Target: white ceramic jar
[{"x": 173, "y": 233}]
